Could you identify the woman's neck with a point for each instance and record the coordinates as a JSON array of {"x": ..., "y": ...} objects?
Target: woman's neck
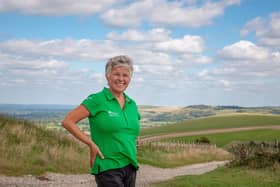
[
  {"x": 120, "y": 98},
  {"x": 117, "y": 95}
]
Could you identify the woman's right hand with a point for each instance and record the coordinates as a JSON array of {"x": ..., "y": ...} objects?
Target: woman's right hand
[{"x": 94, "y": 152}]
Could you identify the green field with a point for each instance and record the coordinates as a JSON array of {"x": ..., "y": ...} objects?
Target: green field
[
  {"x": 228, "y": 177},
  {"x": 225, "y": 138},
  {"x": 225, "y": 176},
  {"x": 217, "y": 122}
]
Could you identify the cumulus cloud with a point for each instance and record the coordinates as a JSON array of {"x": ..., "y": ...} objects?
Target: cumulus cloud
[
  {"x": 83, "y": 49},
  {"x": 192, "y": 59},
  {"x": 243, "y": 50},
  {"x": 253, "y": 25},
  {"x": 32, "y": 71},
  {"x": 153, "y": 35},
  {"x": 56, "y": 7},
  {"x": 246, "y": 67},
  {"x": 159, "y": 39},
  {"x": 49, "y": 62},
  {"x": 166, "y": 13},
  {"x": 188, "y": 44},
  {"x": 267, "y": 31},
  {"x": 43, "y": 77},
  {"x": 152, "y": 41}
]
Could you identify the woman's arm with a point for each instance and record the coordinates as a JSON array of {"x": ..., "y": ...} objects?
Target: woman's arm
[{"x": 70, "y": 123}]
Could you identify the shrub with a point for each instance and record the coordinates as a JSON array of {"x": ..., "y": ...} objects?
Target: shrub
[
  {"x": 202, "y": 140},
  {"x": 255, "y": 154}
]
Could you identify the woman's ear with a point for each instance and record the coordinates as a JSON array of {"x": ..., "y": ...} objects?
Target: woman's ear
[{"x": 107, "y": 76}]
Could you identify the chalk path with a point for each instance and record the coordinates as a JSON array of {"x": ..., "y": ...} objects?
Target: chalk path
[{"x": 145, "y": 176}]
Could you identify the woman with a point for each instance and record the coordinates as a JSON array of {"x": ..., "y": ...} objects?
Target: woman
[{"x": 114, "y": 127}]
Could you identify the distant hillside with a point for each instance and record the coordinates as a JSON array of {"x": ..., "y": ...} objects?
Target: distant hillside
[
  {"x": 160, "y": 114},
  {"x": 150, "y": 115},
  {"x": 30, "y": 149}
]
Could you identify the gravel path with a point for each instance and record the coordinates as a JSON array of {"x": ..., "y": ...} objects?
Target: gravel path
[{"x": 145, "y": 176}]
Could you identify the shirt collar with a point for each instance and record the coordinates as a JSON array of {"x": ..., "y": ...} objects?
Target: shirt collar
[{"x": 110, "y": 96}]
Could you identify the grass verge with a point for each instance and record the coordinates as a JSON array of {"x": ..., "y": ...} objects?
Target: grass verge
[
  {"x": 229, "y": 177},
  {"x": 29, "y": 149},
  {"x": 168, "y": 155}
]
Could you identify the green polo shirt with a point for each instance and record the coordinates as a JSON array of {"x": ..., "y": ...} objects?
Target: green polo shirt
[{"x": 113, "y": 129}]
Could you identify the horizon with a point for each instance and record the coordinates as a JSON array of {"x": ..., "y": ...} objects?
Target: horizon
[
  {"x": 73, "y": 105},
  {"x": 185, "y": 52}
]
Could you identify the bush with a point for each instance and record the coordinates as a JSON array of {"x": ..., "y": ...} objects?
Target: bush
[
  {"x": 202, "y": 140},
  {"x": 255, "y": 154}
]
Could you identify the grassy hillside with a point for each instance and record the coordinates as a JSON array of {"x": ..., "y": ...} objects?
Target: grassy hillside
[
  {"x": 216, "y": 122},
  {"x": 223, "y": 139},
  {"x": 231, "y": 177},
  {"x": 158, "y": 115},
  {"x": 29, "y": 149}
]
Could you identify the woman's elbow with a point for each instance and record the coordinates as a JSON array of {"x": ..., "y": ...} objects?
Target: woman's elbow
[{"x": 65, "y": 123}]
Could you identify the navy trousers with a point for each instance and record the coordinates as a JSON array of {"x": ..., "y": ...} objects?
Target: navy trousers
[{"x": 122, "y": 177}]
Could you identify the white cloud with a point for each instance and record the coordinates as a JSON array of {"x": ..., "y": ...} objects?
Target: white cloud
[
  {"x": 192, "y": 59},
  {"x": 49, "y": 61},
  {"x": 188, "y": 44},
  {"x": 245, "y": 68},
  {"x": 56, "y": 7},
  {"x": 225, "y": 83},
  {"x": 83, "y": 49},
  {"x": 267, "y": 30},
  {"x": 243, "y": 50},
  {"x": 93, "y": 50},
  {"x": 153, "y": 35},
  {"x": 159, "y": 39},
  {"x": 166, "y": 13},
  {"x": 40, "y": 76},
  {"x": 255, "y": 24}
]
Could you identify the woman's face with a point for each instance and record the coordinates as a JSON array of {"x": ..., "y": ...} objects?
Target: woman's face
[{"x": 118, "y": 79}]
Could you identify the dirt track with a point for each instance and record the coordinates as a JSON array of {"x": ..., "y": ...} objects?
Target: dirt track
[{"x": 146, "y": 175}]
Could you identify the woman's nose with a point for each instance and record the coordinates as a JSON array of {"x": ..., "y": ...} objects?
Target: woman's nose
[{"x": 121, "y": 77}]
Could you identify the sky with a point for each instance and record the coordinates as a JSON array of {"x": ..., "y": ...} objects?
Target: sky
[{"x": 185, "y": 52}]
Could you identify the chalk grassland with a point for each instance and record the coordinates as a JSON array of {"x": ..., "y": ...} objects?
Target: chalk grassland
[
  {"x": 170, "y": 155},
  {"x": 228, "y": 177},
  {"x": 172, "y": 152},
  {"x": 30, "y": 149},
  {"x": 234, "y": 177},
  {"x": 216, "y": 122}
]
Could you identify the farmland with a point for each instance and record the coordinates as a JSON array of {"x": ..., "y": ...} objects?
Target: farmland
[{"x": 172, "y": 143}]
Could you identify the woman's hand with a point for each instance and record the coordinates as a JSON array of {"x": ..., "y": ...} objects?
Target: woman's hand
[
  {"x": 94, "y": 151},
  {"x": 70, "y": 123}
]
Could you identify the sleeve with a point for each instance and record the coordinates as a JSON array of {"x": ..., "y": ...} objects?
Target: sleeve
[{"x": 91, "y": 104}]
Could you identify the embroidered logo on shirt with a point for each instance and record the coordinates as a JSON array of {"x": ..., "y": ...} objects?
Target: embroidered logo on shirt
[{"x": 113, "y": 114}]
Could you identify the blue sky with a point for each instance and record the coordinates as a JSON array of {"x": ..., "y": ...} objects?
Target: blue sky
[{"x": 214, "y": 52}]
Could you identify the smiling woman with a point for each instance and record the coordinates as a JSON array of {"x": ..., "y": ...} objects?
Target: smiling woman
[{"x": 114, "y": 126}]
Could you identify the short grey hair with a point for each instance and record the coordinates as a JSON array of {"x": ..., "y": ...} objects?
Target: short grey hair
[{"x": 119, "y": 61}]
